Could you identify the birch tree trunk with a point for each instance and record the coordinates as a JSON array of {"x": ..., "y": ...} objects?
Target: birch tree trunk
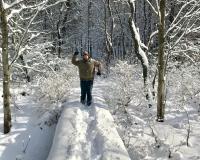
[
  {"x": 6, "y": 70},
  {"x": 161, "y": 63}
]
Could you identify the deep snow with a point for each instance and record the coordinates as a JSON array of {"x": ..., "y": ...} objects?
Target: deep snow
[
  {"x": 89, "y": 133},
  {"x": 28, "y": 139}
]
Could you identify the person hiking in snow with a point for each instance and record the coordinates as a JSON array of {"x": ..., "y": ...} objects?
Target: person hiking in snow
[{"x": 86, "y": 68}]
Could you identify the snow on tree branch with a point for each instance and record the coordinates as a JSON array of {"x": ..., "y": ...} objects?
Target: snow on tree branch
[
  {"x": 8, "y": 6},
  {"x": 13, "y": 12},
  {"x": 31, "y": 68},
  {"x": 153, "y": 8},
  {"x": 54, "y": 4},
  {"x": 141, "y": 52},
  {"x": 178, "y": 19},
  {"x": 151, "y": 37},
  {"x": 17, "y": 54}
]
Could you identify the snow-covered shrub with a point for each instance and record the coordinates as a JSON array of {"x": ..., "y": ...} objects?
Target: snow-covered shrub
[
  {"x": 38, "y": 59},
  {"x": 35, "y": 58},
  {"x": 183, "y": 86},
  {"x": 124, "y": 95},
  {"x": 183, "y": 95},
  {"x": 55, "y": 86},
  {"x": 52, "y": 90},
  {"x": 127, "y": 84}
]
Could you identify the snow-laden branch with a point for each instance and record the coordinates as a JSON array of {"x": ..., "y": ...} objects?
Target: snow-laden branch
[
  {"x": 158, "y": 8},
  {"x": 179, "y": 39},
  {"x": 17, "y": 54},
  {"x": 132, "y": 6},
  {"x": 189, "y": 58},
  {"x": 138, "y": 39},
  {"x": 33, "y": 36},
  {"x": 8, "y": 6},
  {"x": 42, "y": 58},
  {"x": 54, "y": 4},
  {"x": 138, "y": 45},
  {"x": 193, "y": 26},
  {"x": 17, "y": 26},
  {"x": 152, "y": 7},
  {"x": 28, "y": 67},
  {"x": 13, "y": 12},
  {"x": 50, "y": 18},
  {"x": 151, "y": 37},
  {"x": 186, "y": 30},
  {"x": 176, "y": 22},
  {"x": 197, "y": 29}
]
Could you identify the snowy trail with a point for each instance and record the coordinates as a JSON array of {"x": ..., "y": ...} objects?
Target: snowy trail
[
  {"x": 26, "y": 131},
  {"x": 87, "y": 133}
]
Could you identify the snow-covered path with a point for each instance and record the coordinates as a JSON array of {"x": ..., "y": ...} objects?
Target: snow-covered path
[
  {"x": 84, "y": 133},
  {"x": 27, "y": 139}
]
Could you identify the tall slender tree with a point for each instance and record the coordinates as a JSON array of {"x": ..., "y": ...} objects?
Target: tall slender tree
[
  {"x": 6, "y": 69},
  {"x": 161, "y": 62},
  {"x": 109, "y": 22}
]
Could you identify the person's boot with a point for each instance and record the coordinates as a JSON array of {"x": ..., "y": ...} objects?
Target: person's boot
[
  {"x": 89, "y": 103},
  {"x": 83, "y": 101}
]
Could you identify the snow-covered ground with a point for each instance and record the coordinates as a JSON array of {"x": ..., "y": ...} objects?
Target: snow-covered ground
[
  {"x": 87, "y": 133},
  {"x": 28, "y": 139},
  {"x": 90, "y": 134}
]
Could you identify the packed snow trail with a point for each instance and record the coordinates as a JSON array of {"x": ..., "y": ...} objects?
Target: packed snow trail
[{"x": 87, "y": 133}]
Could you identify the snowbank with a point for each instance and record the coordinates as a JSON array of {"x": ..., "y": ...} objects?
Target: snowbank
[
  {"x": 86, "y": 134},
  {"x": 27, "y": 139}
]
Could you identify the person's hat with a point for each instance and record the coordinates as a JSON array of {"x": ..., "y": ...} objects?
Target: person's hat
[{"x": 85, "y": 53}]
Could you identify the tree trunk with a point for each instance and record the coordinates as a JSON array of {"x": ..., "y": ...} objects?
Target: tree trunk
[
  {"x": 89, "y": 27},
  {"x": 108, "y": 32},
  {"x": 137, "y": 45},
  {"x": 122, "y": 31},
  {"x": 6, "y": 70},
  {"x": 59, "y": 40},
  {"x": 161, "y": 64}
]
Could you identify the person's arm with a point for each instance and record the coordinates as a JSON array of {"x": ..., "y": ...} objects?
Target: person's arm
[
  {"x": 98, "y": 65},
  {"x": 74, "y": 58}
]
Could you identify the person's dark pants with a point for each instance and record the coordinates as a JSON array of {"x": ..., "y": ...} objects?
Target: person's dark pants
[{"x": 86, "y": 89}]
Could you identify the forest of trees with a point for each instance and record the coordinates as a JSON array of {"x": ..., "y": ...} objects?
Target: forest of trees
[{"x": 153, "y": 34}]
